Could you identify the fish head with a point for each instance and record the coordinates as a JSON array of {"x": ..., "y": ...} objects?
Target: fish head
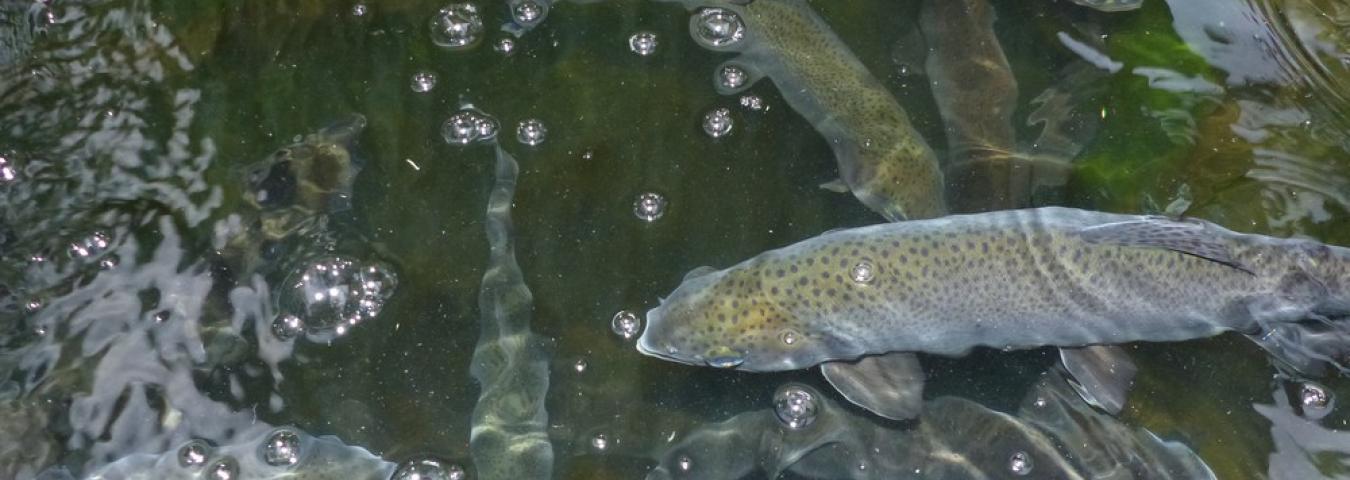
[{"x": 724, "y": 319}]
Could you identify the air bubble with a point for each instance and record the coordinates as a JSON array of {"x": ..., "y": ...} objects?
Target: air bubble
[
  {"x": 531, "y": 132},
  {"x": 626, "y": 324},
  {"x": 600, "y": 442},
  {"x": 1019, "y": 463},
  {"x": 423, "y": 82},
  {"x": 224, "y": 469},
  {"x": 789, "y": 337},
  {"x": 716, "y": 28},
  {"x": 286, "y": 327},
  {"x": 161, "y": 316},
  {"x": 486, "y": 127},
  {"x": 1316, "y": 400},
  {"x": 717, "y": 123},
  {"x": 862, "y": 273},
  {"x": 282, "y": 448},
  {"x": 359, "y": 10},
  {"x": 732, "y": 77},
  {"x": 528, "y": 13},
  {"x": 332, "y": 295},
  {"x": 752, "y": 103},
  {"x": 580, "y": 365},
  {"x": 193, "y": 454},
  {"x": 642, "y": 43},
  {"x": 649, "y": 206},
  {"x": 795, "y": 406},
  {"x": 427, "y": 469},
  {"x": 460, "y": 129},
  {"x": 504, "y": 46},
  {"x": 684, "y": 463},
  {"x": 457, "y": 26}
]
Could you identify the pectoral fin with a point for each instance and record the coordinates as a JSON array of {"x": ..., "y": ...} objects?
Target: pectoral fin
[
  {"x": 837, "y": 186},
  {"x": 889, "y": 385},
  {"x": 1102, "y": 374},
  {"x": 1191, "y": 238}
]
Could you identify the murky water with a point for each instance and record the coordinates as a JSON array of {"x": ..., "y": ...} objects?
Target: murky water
[{"x": 246, "y": 240}]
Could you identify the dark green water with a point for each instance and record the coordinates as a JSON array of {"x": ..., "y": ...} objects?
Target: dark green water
[{"x": 135, "y": 118}]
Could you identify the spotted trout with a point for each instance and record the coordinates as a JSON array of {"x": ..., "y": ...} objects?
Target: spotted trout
[
  {"x": 1013, "y": 279},
  {"x": 883, "y": 161}
]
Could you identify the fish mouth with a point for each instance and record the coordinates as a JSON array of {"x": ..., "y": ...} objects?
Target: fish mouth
[{"x": 646, "y": 346}]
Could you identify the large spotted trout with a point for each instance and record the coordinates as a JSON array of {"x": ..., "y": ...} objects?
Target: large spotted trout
[{"x": 1010, "y": 280}]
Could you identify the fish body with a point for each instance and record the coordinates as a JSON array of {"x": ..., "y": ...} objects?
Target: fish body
[
  {"x": 1010, "y": 279},
  {"x": 882, "y": 160}
]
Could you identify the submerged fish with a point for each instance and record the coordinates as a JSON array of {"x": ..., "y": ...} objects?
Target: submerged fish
[
  {"x": 882, "y": 160},
  {"x": 291, "y": 190},
  {"x": 1012, "y": 279}
]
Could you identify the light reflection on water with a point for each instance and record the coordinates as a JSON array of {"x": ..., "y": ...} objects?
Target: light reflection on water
[{"x": 133, "y": 119}]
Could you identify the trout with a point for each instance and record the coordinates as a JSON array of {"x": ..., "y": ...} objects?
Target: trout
[
  {"x": 1016, "y": 279},
  {"x": 882, "y": 159}
]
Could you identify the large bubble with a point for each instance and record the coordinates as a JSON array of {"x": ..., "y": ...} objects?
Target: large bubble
[{"x": 332, "y": 295}]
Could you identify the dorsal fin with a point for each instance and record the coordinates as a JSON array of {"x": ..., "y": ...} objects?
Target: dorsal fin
[
  {"x": 698, "y": 272},
  {"x": 1189, "y": 236}
]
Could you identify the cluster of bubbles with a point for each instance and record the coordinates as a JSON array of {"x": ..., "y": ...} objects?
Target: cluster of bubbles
[
  {"x": 626, "y": 324},
  {"x": 280, "y": 449},
  {"x": 428, "y": 469},
  {"x": 332, "y": 295},
  {"x": 423, "y": 82},
  {"x": 531, "y": 132},
  {"x": 457, "y": 26},
  {"x": 649, "y": 206},
  {"x": 469, "y": 125},
  {"x": 716, "y": 28},
  {"x": 717, "y": 123},
  {"x": 642, "y": 43},
  {"x": 753, "y": 103},
  {"x": 91, "y": 246},
  {"x": 862, "y": 273},
  {"x": 795, "y": 406}
]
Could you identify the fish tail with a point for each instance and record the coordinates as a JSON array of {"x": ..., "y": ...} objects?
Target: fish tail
[{"x": 1310, "y": 348}]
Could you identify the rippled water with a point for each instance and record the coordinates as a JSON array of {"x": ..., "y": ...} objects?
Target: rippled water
[{"x": 234, "y": 231}]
